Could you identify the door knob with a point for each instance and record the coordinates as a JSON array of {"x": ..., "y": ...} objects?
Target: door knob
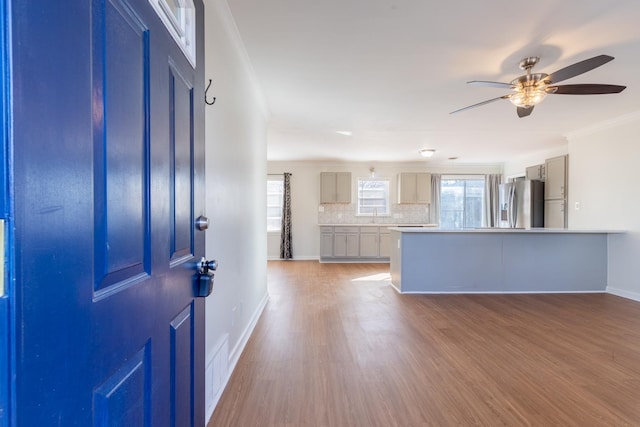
[
  {"x": 205, "y": 266},
  {"x": 205, "y": 277},
  {"x": 202, "y": 223}
]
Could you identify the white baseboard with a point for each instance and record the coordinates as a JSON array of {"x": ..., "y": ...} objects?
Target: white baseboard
[
  {"x": 624, "y": 293},
  {"x": 232, "y": 359},
  {"x": 295, "y": 258},
  {"x": 234, "y": 356}
]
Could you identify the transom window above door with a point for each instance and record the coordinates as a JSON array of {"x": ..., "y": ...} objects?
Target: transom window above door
[{"x": 179, "y": 16}]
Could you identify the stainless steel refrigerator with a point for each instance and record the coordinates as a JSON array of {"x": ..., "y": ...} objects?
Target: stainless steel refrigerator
[{"x": 522, "y": 204}]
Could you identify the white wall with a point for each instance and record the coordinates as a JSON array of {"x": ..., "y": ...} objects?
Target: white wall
[
  {"x": 603, "y": 179},
  {"x": 236, "y": 199},
  {"x": 517, "y": 167},
  {"x": 305, "y": 195}
]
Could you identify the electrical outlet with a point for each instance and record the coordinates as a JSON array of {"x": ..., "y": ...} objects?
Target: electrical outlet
[{"x": 577, "y": 206}]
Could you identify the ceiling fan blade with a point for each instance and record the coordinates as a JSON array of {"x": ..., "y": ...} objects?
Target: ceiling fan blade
[
  {"x": 499, "y": 85},
  {"x": 524, "y": 112},
  {"x": 585, "y": 89},
  {"x": 481, "y": 103},
  {"x": 578, "y": 68}
]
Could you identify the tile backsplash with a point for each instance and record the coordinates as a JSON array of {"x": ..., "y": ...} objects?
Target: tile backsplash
[{"x": 400, "y": 214}]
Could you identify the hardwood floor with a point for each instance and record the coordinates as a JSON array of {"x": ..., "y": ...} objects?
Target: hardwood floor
[{"x": 337, "y": 346}]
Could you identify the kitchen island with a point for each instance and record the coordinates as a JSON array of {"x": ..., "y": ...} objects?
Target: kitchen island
[{"x": 497, "y": 260}]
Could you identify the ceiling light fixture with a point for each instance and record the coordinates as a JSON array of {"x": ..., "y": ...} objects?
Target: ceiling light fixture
[
  {"x": 530, "y": 89},
  {"x": 529, "y": 94},
  {"x": 344, "y": 132},
  {"x": 427, "y": 152}
]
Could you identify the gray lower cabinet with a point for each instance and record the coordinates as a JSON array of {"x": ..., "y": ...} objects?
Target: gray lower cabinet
[
  {"x": 385, "y": 243},
  {"x": 346, "y": 242},
  {"x": 369, "y": 243},
  {"x": 326, "y": 242}
]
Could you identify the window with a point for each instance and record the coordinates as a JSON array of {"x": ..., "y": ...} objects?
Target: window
[
  {"x": 461, "y": 201},
  {"x": 275, "y": 196},
  {"x": 373, "y": 197},
  {"x": 179, "y": 17}
]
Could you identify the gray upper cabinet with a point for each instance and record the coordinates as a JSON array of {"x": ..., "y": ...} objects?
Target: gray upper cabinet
[
  {"x": 335, "y": 187},
  {"x": 555, "y": 186},
  {"x": 535, "y": 172},
  {"x": 414, "y": 187}
]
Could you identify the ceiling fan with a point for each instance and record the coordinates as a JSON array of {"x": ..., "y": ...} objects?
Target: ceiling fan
[{"x": 531, "y": 88}]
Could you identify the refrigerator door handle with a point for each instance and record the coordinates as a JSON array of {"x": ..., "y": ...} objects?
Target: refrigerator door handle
[{"x": 513, "y": 209}]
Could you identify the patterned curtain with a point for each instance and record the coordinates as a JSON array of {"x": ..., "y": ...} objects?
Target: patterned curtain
[
  {"x": 492, "y": 199},
  {"x": 285, "y": 235},
  {"x": 434, "y": 208}
]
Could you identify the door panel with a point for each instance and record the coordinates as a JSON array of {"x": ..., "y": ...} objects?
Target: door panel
[
  {"x": 123, "y": 400},
  {"x": 181, "y": 368},
  {"x": 108, "y": 175},
  {"x": 121, "y": 145},
  {"x": 181, "y": 119}
]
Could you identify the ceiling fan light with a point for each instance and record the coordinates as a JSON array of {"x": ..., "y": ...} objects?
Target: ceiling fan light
[{"x": 528, "y": 97}]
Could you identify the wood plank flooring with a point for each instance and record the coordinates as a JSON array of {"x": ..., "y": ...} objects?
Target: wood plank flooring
[{"x": 337, "y": 346}]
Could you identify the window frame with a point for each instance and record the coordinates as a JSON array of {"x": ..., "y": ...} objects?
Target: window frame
[
  {"x": 182, "y": 28},
  {"x": 274, "y": 178},
  {"x": 469, "y": 177},
  {"x": 387, "y": 197}
]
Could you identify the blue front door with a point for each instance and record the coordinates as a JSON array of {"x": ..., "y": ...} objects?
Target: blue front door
[{"x": 107, "y": 179}]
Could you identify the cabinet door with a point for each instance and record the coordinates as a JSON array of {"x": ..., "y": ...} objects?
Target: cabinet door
[
  {"x": 326, "y": 245},
  {"x": 327, "y": 187},
  {"x": 554, "y": 214},
  {"x": 556, "y": 178},
  {"x": 369, "y": 245},
  {"x": 353, "y": 244},
  {"x": 340, "y": 245},
  {"x": 423, "y": 188},
  {"x": 407, "y": 188},
  {"x": 385, "y": 245},
  {"x": 535, "y": 172},
  {"x": 343, "y": 187}
]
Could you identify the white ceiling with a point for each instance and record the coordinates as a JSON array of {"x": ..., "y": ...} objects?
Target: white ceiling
[{"x": 391, "y": 71}]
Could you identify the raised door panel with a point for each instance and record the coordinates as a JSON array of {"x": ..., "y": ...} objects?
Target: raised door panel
[
  {"x": 555, "y": 214},
  {"x": 340, "y": 245},
  {"x": 407, "y": 188},
  {"x": 535, "y": 172},
  {"x": 121, "y": 150},
  {"x": 555, "y": 178},
  {"x": 353, "y": 245},
  {"x": 423, "y": 188},
  {"x": 385, "y": 245},
  {"x": 343, "y": 187},
  {"x": 327, "y": 187},
  {"x": 326, "y": 245},
  {"x": 369, "y": 245},
  {"x": 181, "y": 165}
]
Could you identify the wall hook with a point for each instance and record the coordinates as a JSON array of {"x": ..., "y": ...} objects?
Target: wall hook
[{"x": 205, "y": 95}]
